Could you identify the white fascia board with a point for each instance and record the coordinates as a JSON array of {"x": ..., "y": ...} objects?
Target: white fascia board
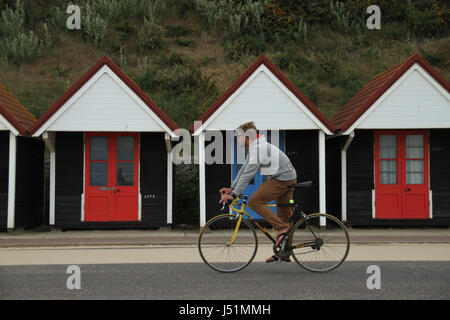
[{"x": 8, "y": 126}]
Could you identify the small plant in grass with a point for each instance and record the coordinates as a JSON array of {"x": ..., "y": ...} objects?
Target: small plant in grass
[
  {"x": 21, "y": 49},
  {"x": 12, "y": 20},
  {"x": 94, "y": 26},
  {"x": 16, "y": 46},
  {"x": 150, "y": 36}
]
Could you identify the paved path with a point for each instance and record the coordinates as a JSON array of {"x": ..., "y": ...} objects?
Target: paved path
[
  {"x": 54, "y": 237},
  {"x": 189, "y": 254}
]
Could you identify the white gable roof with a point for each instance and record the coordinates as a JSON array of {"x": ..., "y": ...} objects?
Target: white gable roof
[
  {"x": 104, "y": 103},
  {"x": 265, "y": 96},
  {"x": 415, "y": 100},
  {"x": 265, "y": 101}
]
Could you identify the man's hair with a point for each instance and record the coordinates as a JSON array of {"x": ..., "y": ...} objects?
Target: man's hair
[{"x": 248, "y": 125}]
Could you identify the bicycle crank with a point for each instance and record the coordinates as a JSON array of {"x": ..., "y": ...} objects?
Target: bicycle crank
[{"x": 282, "y": 250}]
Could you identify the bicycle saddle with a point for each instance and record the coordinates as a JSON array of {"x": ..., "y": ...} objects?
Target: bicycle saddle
[{"x": 305, "y": 184}]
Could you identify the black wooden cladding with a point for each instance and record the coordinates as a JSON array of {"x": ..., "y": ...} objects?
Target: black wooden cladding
[
  {"x": 69, "y": 183},
  {"x": 29, "y": 198},
  {"x": 302, "y": 148},
  {"x": 69, "y": 178},
  {"x": 217, "y": 176},
  {"x": 4, "y": 171},
  {"x": 333, "y": 175},
  {"x": 153, "y": 179},
  {"x": 360, "y": 175},
  {"x": 29, "y": 206},
  {"x": 440, "y": 173}
]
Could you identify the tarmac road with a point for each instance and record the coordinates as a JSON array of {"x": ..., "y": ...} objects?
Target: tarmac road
[
  {"x": 260, "y": 281},
  {"x": 413, "y": 264},
  {"x": 407, "y": 271}
]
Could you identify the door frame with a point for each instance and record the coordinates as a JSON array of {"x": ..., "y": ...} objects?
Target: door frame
[
  {"x": 137, "y": 171},
  {"x": 401, "y": 163}
]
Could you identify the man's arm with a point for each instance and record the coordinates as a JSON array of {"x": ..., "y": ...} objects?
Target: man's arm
[
  {"x": 246, "y": 173},
  {"x": 241, "y": 170}
]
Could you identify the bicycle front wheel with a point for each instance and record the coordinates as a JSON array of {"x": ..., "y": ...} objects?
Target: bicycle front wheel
[
  {"x": 319, "y": 242},
  {"x": 227, "y": 243}
]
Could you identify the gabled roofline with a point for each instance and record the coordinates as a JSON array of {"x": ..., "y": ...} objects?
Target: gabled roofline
[
  {"x": 85, "y": 78},
  {"x": 262, "y": 59},
  {"x": 402, "y": 69},
  {"x": 13, "y": 122},
  {"x": 19, "y": 129}
]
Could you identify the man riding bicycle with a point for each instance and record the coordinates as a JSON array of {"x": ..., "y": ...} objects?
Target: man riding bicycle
[{"x": 278, "y": 174}]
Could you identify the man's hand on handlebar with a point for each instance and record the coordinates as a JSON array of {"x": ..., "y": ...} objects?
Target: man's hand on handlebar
[
  {"x": 225, "y": 190},
  {"x": 226, "y": 198}
]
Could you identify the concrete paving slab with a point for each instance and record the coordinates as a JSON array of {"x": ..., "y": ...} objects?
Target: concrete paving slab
[
  {"x": 190, "y": 254},
  {"x": 165, "y": 236}
]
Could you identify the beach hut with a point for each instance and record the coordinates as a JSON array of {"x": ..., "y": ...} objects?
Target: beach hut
[
  {"x": 393, "y": 148},
  {"x": 283, "y": 114},
  {"x": 110, "y": 154},
  {"x": 21, "y": 167}
]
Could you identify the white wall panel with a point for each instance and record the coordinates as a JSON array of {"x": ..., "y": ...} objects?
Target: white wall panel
[
  {"x": 105, "y": 106},
  {"x": 264, "y": 100}
]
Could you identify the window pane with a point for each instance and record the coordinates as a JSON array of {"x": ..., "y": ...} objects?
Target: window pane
[
  {"x": 99, "y": 148},
  {"x": 388, "y": 172},
  {"x": 414, "y": 172},
  {"x": 125, "y": 148},
  {"x": 414, "y": 146},
  {"x": 388, "y": 147},
  {"x": 99, "y": 173},
  {"x": 125, "y": 173}
]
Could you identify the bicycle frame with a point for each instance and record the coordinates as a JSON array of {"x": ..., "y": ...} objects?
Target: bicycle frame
[{"x": 242, "y": 212}]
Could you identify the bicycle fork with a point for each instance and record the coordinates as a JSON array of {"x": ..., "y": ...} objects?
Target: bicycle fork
[{"x": 236, "y": 229}]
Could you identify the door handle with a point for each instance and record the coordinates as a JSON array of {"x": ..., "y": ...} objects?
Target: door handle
[
  {"x": 407, "y": 189},
  {"x": 118, "y": 190}
]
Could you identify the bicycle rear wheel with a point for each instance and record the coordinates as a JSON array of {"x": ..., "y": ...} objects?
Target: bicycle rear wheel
[
  {"x": 223, "y": 252},
  {"x": 319, "y": 247}
]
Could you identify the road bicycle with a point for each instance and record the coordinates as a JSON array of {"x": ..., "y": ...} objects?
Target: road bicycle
[{"x": 318, "y": 242}]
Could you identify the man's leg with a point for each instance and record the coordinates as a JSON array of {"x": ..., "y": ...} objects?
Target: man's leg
[
  {"x": 268, "y": 191},
  {"x": 285, "y": 212}
]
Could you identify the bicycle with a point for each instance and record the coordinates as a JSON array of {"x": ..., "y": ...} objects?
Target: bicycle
[{"x": 318, "y": 242}]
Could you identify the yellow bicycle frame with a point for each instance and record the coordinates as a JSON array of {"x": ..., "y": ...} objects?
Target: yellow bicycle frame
[{"x": 242, "y": 212}]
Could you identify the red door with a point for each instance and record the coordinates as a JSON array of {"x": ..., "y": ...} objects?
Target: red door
[
  {"x": 111, "y": 190},
  {"x": 401, "y": 174}
]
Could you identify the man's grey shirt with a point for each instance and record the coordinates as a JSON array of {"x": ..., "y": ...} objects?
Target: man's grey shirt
[{"x": 266, "y": 158}]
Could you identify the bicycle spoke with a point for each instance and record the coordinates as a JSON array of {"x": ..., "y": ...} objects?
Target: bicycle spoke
[
  {"x": 325, "y": 247},
  {"x": 215, "y": 248}
]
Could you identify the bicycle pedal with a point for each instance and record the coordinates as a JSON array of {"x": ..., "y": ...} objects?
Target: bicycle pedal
[{"x": 279, "y": 261}]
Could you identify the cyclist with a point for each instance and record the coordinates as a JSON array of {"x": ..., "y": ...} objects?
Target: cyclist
[{"x": 278, "y": 174}]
